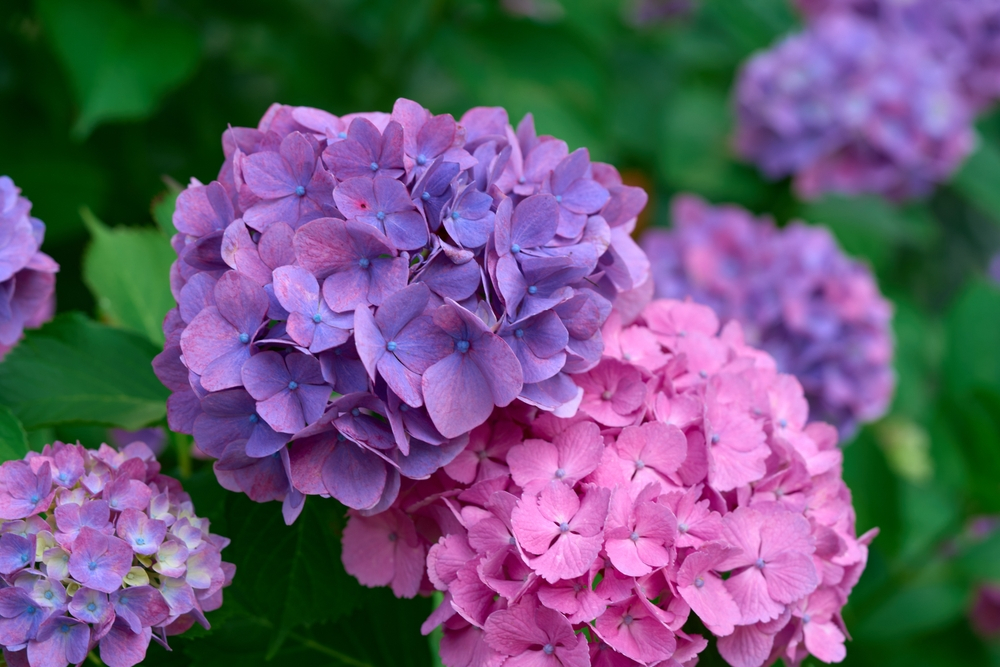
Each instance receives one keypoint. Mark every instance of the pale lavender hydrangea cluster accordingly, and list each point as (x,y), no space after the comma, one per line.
(690,485)
(962,34)
(27,275)
(98,549)
(371,287)
(816,311)
(845,106)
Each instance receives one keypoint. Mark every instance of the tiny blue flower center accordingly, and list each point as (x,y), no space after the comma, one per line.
(627,619)
(48,595)
(455,215)
(24,558)
(63,477)
(606,394)
(699,582)
(64,628)
(421,159)
(548,649)
(356,412)
(560,473)
(391,346)
(293,385)
(640,464)
(519,333)
(31,609)
(522,180)
(244,338)
(91,607)
(462,346)
(634,536)
(374,166)
(682,527)
(715,439)
(254,418)
(783,423)
(317,318)
(392,537)
(341,437)
(806,618)
(511,541)
(558,199)
(364,262)
(759,564)
(140,540)
(532,290)
(380,215)
(426,196)
(300,191)
(403,407)
(563,527)
(342,135)
(92,566)
(515,248)
(35,498)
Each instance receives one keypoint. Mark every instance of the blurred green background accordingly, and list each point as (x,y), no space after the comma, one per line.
(108,104)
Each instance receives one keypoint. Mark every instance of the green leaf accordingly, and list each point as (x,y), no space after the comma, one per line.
(128,271)
(912,610)
(76,370)
(291,575)
(973,328)
(120,62)
(163,209)
(977,180)
(13,439)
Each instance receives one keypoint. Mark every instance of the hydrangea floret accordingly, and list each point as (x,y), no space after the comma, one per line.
(846,107)
(99,550)
(690,484)
(816,311)
(369,288)
(27,275)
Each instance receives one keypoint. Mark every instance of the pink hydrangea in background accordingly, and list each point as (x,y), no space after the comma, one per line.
(689,484)
(27,275)
(816,311)
(99,550)
(371,287)
(847,107)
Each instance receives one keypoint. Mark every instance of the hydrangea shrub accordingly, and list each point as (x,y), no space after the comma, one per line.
(690,484)
(27,275)
(99,550)
(846,107)
(816,311)
(370,288)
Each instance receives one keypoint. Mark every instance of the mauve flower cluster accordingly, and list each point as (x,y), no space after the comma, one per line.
(97,548)
(846,107)
(689,481)
(962,34)
(797,295)
(27,275)
(371,287)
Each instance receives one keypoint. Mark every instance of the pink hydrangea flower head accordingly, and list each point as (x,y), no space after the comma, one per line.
(575,541)
(816,311)
(432,269)
(27,275)
(98,550)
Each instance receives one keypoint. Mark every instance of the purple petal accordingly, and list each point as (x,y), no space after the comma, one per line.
(354,476)
(265,375)
(457,395)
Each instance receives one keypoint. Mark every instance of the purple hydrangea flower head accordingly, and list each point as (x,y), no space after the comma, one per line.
(27,275)
(962,35)
(714,498)
(356,295)
(845,107)
(816,311)
(111,550)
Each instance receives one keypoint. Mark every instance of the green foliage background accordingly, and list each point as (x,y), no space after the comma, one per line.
(107,105)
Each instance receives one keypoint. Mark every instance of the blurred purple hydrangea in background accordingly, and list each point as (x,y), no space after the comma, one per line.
(27,275)
(98,549)
(369,288)
(847,107)
(797,295)
(964,35)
